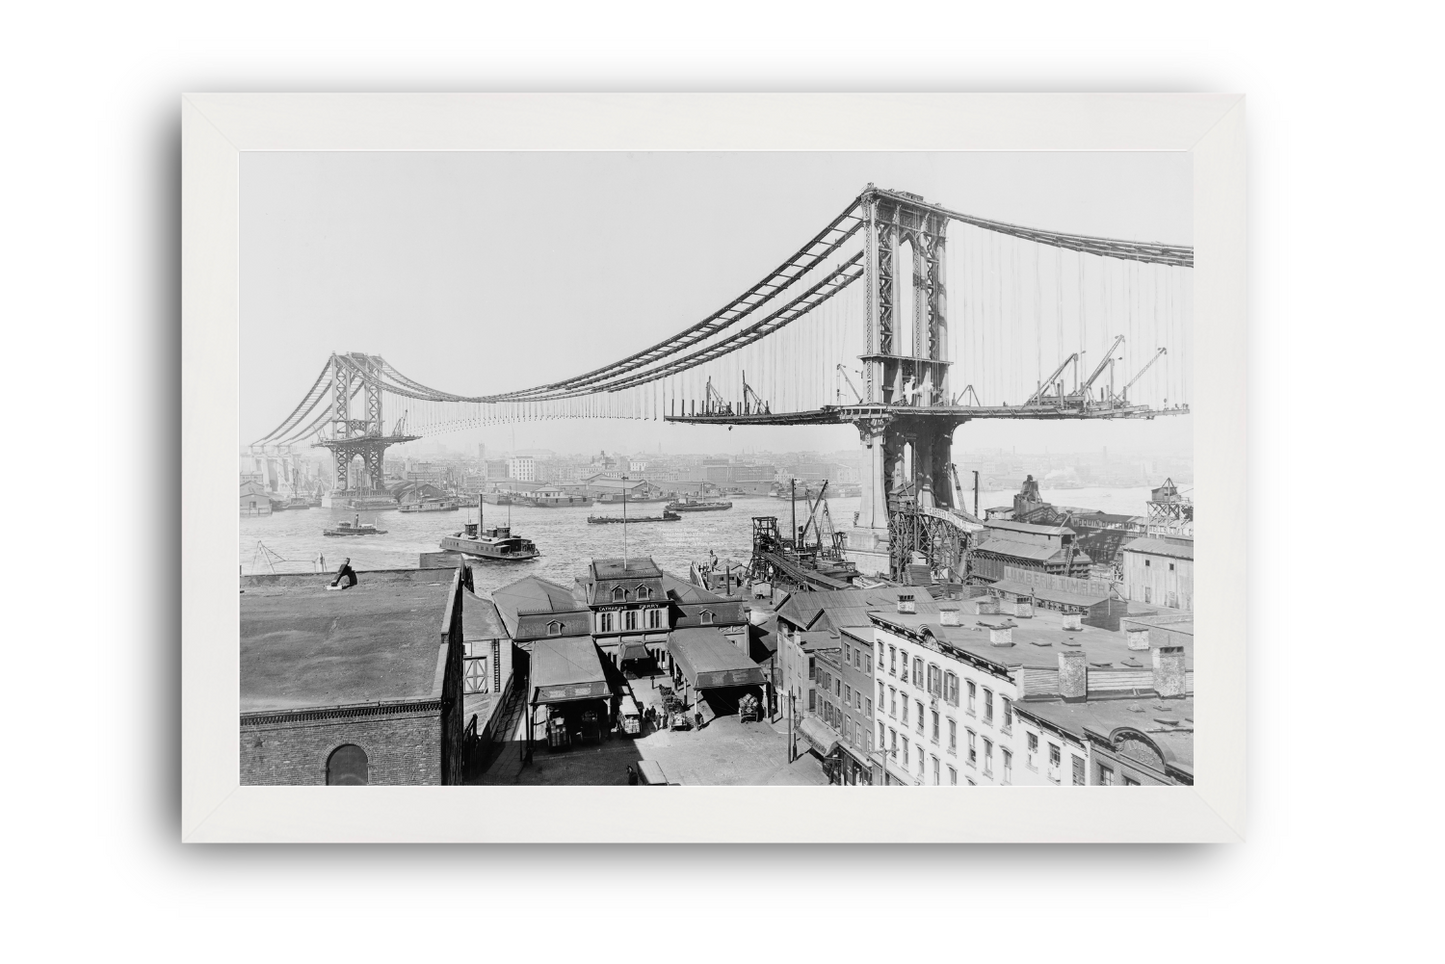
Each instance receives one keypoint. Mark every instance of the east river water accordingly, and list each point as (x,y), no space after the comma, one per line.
(563,535)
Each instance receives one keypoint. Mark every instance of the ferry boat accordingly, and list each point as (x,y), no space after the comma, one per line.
(497,543)
(431,505)
(691,506)
(667,516)
(357,528)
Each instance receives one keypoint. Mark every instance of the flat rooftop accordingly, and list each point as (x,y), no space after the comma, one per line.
(1037,641)
(305,647)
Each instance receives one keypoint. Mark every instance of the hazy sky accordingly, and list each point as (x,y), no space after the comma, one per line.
(477,273)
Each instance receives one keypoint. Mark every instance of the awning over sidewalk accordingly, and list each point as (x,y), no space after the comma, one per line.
(708,661)
(631,649)
(816,733)
(567,669)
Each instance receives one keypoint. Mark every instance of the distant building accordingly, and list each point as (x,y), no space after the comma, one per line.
(522,468)
(636,466)
(1159,571)
(494,470)
(255,500)
(355,687)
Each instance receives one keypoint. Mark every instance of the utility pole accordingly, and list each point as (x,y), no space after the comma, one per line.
(975,493)
(793,501)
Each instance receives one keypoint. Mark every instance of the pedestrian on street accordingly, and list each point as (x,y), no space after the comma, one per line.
(631,777)
(699,719)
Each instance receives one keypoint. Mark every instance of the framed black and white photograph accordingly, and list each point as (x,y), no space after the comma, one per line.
(832,458)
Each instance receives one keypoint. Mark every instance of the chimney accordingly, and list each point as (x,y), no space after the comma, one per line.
(1073,622)
(905,603)
(1024,609)
(1001,635)
(1073,676)
(948,617)
(1169,671)
(1138,639)
(986,606)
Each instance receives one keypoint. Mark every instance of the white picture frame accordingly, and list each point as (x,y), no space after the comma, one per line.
(217,128)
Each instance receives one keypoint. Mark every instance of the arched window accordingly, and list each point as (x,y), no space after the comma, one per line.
(643,593)
(618,595)
(347,767)
(707,617)
(554,628)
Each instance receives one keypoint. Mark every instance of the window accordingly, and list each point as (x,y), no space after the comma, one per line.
(870,739)
(630,619)
(848,693)
(988,705)
(919,707)
(905,751)
(1171,567)
(892,661)
(618,595)
(1079,780)
(654,618)
(1008,715)
(972,757)
(988,757)
(950,688)
(972,697)
(707,617)
(1008,766)
(847,650)
(935,726)
(1146,563)
(347,767)
(868,665)
(880,735)
(935,771)
(935,680)
(812,667)
(918,672)
(858,700)
(893,702)
(838,687)
(857,658)
(880,652)
(1130,781)
(952,735)
(952,777)
(1033,751)
(920,766)
(1053,763)
(869,707)
(554,628)
(604,622)
(643,592)
(880,694)
(1106,776)
(904,717)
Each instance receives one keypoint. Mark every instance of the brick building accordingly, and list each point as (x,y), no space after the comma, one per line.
(354,687)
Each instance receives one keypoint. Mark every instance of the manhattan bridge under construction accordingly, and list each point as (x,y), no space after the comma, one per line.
(900,317)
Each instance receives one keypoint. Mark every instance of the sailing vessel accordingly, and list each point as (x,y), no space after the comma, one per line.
(497,543)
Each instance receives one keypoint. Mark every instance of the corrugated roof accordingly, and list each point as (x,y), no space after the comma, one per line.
(1160,547)
(1020,550)
(566,661)
(1029,527)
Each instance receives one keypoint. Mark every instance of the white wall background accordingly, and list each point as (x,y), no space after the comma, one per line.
(1345,197)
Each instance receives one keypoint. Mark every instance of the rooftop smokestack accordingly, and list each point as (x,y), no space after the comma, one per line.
(1073,676)
(948,617)
(905,603)
(1169,671)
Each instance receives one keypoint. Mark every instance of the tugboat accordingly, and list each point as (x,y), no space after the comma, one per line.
(357,528)
(496,543)
(689,505)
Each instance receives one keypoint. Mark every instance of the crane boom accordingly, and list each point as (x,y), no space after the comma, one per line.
(1047,383)
(751,401)
(1108,355)
(1147,365)
(844,372)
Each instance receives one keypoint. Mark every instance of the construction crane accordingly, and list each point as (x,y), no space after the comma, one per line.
(968,392)
(1048,383)
(1083,390)
(1147,365)
(843,373)
(812,508)
(714,403)
(752,403)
